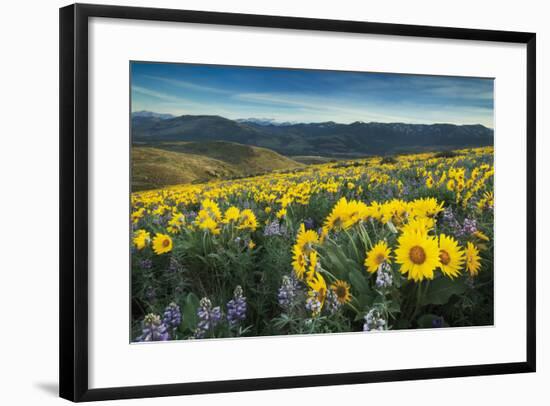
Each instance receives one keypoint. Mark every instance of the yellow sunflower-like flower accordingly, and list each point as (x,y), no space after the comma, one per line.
(247,220)
(231,215)
(313,265)
(481,235)
(338,217)
(472,259)
(451,185)
(298,262)
(318,287)
(162,244)
(375,211)
(451,256)
(208,224)
(428,207)
(251,245)
(429,182)
(141,239)
(342,291)
(422,225)
(137,215)
(396,211)
(418,255)
(281,213)
(356,211)
(212,208)
(175,223)
(376,256)
(305,239)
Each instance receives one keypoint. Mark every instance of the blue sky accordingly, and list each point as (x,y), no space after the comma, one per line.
(310,95)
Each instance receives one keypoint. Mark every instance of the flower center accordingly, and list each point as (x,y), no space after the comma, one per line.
(165,243)
(380,258)
(417,255)
(444,257)
(341,292)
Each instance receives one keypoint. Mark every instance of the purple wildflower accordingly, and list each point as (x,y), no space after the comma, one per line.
(309,224)
(172,316)
(287,292)
(236,307)
(146,263)
(273,228)
(384,278)
(331,302)
(469,227)
(209,317)
(313,305)
(374,321)
(153,329)
(437,322)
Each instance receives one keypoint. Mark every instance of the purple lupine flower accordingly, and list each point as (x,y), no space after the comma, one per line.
(172,316)
(236,307)
(153,329)
(313,305)
(384,278)
(273,228)
(449,217)
(287,292)
(146,263)
(209,317)
(191,216)
(469,227)
(309,224)
(437,322)
(374,321)
(331,302)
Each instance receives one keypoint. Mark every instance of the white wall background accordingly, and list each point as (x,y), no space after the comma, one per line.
(29,208)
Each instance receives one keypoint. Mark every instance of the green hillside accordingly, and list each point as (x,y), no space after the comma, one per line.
(312,159)
(170,163)
(327,139)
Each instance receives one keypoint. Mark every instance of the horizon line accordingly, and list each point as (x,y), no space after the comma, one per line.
(293,122)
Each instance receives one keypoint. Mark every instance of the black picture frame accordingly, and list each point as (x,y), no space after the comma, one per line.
(73,79)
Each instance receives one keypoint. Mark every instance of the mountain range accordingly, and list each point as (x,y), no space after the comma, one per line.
(311,139)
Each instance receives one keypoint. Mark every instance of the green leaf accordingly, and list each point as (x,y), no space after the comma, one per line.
(365,301)
(358,282)
(190,311)
(394,307)
(440,290)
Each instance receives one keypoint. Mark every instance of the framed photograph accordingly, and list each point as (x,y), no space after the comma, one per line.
(256,202)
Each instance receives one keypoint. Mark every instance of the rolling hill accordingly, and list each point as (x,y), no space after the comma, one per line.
(327,139)
(170,163)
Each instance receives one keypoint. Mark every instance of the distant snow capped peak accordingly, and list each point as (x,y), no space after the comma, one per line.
(264,121)
(145,113)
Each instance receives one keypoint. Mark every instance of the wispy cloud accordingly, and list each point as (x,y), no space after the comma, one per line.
(157,94)
(187,85)
(323,107)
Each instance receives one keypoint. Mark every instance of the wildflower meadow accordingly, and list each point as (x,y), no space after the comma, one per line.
(362,245)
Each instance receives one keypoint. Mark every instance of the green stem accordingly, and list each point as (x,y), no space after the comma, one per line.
(353,244)
(354,308)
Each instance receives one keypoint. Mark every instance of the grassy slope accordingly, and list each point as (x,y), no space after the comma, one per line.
(313,159)
(171,163)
